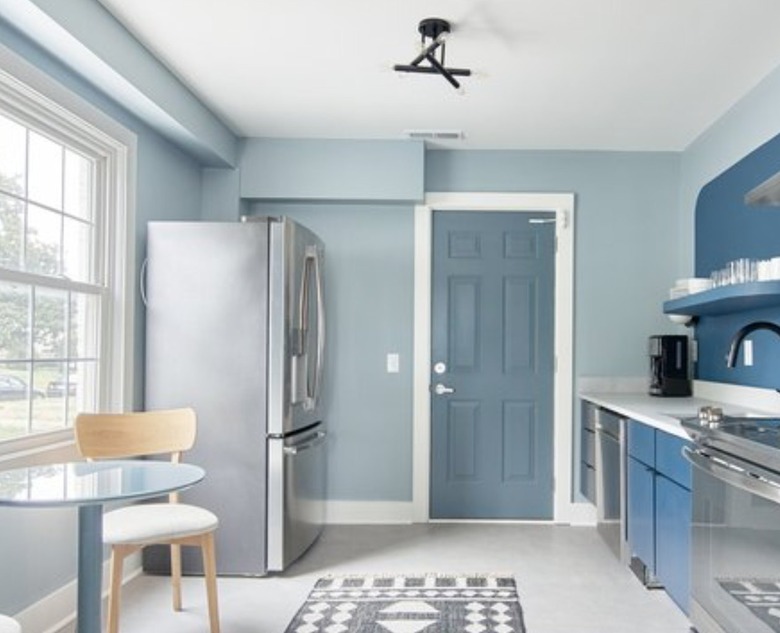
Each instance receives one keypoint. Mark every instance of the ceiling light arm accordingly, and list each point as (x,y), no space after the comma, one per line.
(428,50)
(442,70)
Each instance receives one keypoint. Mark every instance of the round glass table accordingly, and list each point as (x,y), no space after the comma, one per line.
(89,485)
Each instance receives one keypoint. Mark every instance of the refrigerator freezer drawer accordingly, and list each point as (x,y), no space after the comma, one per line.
(296,495)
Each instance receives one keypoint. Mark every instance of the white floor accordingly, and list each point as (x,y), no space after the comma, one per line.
(569,582)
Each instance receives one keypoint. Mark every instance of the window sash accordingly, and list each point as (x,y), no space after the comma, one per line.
(39,103)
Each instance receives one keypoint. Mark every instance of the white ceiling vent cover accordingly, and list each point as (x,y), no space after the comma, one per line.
(434,135)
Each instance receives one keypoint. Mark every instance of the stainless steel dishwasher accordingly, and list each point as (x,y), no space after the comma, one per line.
(610,481)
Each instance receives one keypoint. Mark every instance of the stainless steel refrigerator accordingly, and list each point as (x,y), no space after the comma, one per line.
(235,328)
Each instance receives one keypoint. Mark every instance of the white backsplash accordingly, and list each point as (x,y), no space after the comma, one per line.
(754,398)
(612,384)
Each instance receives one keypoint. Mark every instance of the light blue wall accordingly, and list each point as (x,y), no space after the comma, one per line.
(369,273)
(37,547)
(309,169)
(625,243)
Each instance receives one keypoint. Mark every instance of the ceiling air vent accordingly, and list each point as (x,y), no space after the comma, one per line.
(434,135)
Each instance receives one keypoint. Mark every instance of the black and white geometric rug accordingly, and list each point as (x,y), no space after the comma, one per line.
(427,603)
(762,597)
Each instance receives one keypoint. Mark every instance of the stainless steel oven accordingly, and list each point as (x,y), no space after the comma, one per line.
(735,538)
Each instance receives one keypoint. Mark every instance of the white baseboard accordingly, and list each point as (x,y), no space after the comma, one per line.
(581,514)
(401,512)
(56,613)
(368,512)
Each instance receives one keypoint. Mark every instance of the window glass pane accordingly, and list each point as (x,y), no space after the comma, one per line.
(11,231)
(14,399)
(84,326)
(48,414)
(82,389)
(78,185)
(45,171)
(13,141)
(49,323)
(77,251)
(44,231)
(15,301)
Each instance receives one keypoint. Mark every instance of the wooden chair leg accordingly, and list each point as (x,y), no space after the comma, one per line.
(118,554)
(210,575)
(176,576)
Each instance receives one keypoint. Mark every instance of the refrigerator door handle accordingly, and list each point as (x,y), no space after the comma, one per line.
(318,439)
(142,282)
(320,362)
(312,281)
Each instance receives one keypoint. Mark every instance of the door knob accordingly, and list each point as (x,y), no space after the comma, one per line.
(441,389)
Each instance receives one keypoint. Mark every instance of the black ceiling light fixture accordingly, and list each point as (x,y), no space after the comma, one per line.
(433,32)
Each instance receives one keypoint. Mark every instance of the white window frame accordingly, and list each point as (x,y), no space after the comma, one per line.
(36,96)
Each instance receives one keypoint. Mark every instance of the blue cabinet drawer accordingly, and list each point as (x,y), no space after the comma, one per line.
(641,442)
(589,447)
(669,460)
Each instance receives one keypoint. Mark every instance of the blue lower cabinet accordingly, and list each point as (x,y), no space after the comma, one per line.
(641,512)
(673,539)
(658,507)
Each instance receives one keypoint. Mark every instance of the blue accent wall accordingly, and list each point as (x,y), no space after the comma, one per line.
(727,229)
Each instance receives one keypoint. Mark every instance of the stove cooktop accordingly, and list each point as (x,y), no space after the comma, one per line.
(754,438)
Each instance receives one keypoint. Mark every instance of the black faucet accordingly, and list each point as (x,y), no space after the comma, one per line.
(736,342)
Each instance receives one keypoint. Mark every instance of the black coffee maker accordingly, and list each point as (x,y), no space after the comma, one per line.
(669,365)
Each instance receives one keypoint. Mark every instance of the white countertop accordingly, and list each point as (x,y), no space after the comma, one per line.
(663,413)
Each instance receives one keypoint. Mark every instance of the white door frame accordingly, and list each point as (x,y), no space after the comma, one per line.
(562,204)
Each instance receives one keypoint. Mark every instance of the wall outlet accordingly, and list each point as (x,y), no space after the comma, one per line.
(393,363)
(747,352)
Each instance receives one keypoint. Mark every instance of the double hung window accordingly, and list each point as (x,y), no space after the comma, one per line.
(62,222)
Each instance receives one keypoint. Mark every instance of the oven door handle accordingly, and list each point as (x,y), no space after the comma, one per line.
(734,475)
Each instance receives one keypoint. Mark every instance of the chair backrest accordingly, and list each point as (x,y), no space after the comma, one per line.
(119,435)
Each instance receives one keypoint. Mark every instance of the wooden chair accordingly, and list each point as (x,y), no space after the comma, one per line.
(130,528)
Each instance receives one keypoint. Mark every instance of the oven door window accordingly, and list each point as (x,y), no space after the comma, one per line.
(735,556)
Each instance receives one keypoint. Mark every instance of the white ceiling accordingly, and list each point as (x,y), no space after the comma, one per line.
(547,74)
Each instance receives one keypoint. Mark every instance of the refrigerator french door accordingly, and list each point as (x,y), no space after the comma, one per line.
(235,328)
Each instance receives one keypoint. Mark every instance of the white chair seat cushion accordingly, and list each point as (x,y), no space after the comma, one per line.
(9,625)
(155,522)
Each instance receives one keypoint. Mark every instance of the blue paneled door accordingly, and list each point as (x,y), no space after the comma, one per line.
(492,345)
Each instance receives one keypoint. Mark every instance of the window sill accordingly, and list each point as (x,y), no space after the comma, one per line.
(38,449)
